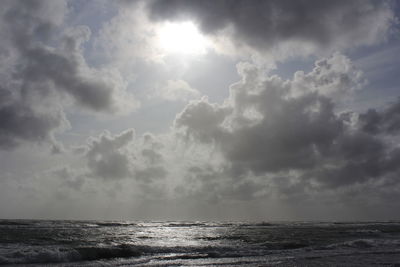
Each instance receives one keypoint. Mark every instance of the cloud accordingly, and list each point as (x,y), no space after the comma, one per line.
(19,121)
(116,157)
(284,27)
(270,139)
(177,90)
(128,38)
(274,128)
(334,77)
(45,70)
(386,121)
(69,178)
(201,119)
(107,156)
(150,173)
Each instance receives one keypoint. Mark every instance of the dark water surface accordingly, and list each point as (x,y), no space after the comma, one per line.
(130,243)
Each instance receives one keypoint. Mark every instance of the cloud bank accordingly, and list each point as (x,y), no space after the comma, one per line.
(283,27)
(270,139)
(271,127)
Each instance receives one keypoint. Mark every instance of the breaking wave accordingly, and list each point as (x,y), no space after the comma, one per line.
(41,254)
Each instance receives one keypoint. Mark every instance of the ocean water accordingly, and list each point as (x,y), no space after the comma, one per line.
(140,243)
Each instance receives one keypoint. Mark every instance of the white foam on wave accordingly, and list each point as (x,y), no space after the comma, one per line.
(366,244)
(36,254)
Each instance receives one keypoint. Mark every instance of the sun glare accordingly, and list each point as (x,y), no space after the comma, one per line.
(182,38)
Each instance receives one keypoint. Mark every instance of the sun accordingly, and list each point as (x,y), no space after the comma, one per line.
(182,38)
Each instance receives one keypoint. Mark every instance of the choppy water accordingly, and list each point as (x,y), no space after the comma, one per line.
(128,243)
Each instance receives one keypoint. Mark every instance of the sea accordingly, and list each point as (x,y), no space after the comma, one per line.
(198,243)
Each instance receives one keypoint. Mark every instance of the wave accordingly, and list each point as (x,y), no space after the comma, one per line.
(284,245)
(258,224)
(363,244)
(36,254)
(96,253)
(199,224)
(359,243)
(185,224)
(14,223)
(115,224)
(49,254)
(365,231)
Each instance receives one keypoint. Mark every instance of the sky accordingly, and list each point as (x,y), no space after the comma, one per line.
(200,110)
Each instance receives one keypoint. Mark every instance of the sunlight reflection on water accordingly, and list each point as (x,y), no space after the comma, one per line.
(175,235)
(197,243)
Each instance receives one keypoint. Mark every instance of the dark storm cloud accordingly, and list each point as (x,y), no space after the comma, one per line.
(265,24)
(22,23)
(354,158)
(386,121)
(66,73)
(290,128)
(364,153)
(19,121)
(64,68)
(42,66)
